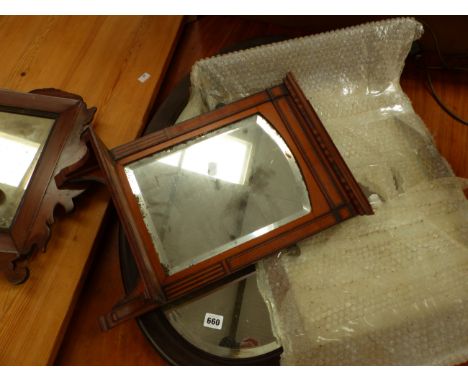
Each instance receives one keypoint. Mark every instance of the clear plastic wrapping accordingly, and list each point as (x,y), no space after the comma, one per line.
(391,288)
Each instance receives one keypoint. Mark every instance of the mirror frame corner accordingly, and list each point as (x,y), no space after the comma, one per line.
(29,231)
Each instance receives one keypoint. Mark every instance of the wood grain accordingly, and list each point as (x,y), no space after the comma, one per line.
(451,136)
(84,342)
(99,58)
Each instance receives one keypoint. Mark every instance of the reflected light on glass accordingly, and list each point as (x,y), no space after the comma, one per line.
(274,135)
(133,182)
(16,155)
(222,157)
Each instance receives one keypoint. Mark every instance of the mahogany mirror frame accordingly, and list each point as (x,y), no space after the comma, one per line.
(29,230)
(332,189)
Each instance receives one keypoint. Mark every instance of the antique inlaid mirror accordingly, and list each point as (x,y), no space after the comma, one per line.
(39,135)
(206,198)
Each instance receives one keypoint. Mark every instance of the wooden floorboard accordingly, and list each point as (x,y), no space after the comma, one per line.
(99,58)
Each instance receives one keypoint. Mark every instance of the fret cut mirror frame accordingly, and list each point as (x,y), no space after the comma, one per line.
(332,190)
(29,229)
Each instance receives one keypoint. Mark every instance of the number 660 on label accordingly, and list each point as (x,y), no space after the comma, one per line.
(213,321)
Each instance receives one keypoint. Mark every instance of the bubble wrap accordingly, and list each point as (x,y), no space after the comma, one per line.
(391,288)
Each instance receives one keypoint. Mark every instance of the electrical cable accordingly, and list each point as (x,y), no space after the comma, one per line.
(445,66)
(440,102)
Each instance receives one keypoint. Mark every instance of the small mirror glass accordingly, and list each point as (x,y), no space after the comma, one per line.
(22,139)
(241,328)
(208,195)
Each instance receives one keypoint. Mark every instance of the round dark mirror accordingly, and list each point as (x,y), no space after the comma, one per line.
(226,326)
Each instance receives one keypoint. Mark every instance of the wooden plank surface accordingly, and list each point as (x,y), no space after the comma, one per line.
(99,58)
(450,136)
(84,343)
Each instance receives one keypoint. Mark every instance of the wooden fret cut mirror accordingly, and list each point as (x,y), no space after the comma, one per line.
(201,200)
(39,135)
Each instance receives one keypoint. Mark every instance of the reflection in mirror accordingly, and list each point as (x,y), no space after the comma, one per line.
(203,197)
(22,138)
(245,330)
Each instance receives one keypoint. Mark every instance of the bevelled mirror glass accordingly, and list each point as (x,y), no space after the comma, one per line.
(22,139)
(208,195)
(246,327)
(202,200)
